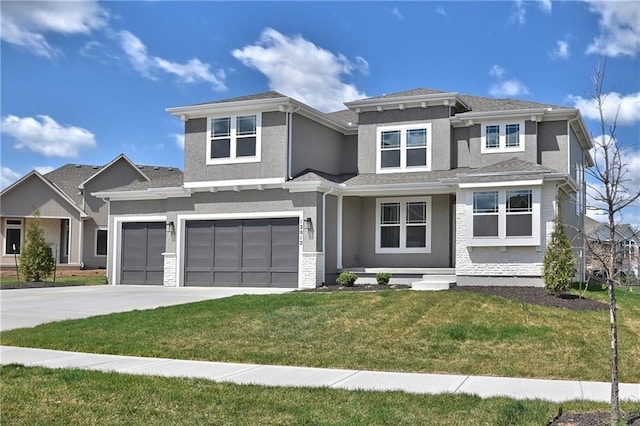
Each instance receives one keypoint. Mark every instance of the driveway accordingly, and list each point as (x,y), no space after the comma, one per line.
(30,307)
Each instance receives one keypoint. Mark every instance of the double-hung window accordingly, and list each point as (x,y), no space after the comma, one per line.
(404,148)
(234,139)
(12,236)
(502,137)
(403,225)
(503,217)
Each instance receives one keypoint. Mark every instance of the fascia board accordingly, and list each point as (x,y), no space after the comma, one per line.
(480,116)
(407,100)
(533,182)
(144,194)
(204,110)
(233,183)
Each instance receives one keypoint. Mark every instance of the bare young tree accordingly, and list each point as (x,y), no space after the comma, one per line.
(611,192)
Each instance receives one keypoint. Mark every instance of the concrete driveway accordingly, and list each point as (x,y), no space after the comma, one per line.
(30,307)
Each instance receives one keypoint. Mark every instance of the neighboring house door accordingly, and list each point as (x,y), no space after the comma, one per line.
(250,253)
(64,241)
(142,248)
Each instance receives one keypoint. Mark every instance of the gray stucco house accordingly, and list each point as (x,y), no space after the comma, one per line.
(75,222)
(435,187)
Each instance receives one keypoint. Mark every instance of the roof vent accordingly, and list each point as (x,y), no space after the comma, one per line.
(78,166)
(156,168)
(140,167)
(95,167)
(170,169)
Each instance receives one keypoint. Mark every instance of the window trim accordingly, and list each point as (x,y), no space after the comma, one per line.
(502,138)
(7,226)
(233,137)
(403,249)
(502,239)
(403,128)
(95,242)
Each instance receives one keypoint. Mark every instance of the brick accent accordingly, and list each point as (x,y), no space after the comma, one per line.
(169,279)
(503,261)
(311,269)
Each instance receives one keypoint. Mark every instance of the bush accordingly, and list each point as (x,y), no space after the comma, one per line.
(347,279)
(36,259)
(557,271)
(383,278)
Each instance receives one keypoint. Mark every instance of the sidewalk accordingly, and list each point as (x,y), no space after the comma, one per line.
(552,390)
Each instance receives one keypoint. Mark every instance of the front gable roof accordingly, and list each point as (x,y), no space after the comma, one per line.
(119,158)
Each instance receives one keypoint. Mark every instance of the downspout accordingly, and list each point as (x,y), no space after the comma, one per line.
(324,233)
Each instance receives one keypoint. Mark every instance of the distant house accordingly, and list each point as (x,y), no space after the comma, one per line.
(627,248)
(429,185)
(75,222)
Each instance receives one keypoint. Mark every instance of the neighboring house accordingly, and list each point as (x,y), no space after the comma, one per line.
(420,182)
(627,248)
(75,222)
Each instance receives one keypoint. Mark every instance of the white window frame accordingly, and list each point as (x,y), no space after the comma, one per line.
(403,249)
(502,146)
(233,159)
(8,225)
(502,239)
(95,242)
(403,148)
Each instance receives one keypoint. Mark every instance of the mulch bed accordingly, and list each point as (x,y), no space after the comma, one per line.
(591,419)
(37,284)
(329,288)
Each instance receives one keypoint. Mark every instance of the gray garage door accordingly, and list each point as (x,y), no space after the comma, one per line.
(142,248)
(251,253)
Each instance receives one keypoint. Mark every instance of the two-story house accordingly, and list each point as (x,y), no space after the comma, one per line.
(75,222)
(414,183)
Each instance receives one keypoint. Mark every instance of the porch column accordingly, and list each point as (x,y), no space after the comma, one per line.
(339,232)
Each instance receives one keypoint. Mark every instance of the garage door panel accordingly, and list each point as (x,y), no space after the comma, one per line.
(248,252)
(142,247)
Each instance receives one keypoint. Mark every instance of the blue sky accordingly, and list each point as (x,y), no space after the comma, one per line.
(85,81)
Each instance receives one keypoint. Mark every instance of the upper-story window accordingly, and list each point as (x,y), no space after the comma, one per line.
(234,139)
(404,148)
(502,137)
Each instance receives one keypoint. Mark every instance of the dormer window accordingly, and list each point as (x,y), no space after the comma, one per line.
(502,137)
(234,139)
(404,148)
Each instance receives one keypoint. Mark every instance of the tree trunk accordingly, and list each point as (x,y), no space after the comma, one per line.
(615,399)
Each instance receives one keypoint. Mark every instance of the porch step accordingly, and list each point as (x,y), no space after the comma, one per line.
(407,276)
(434,282)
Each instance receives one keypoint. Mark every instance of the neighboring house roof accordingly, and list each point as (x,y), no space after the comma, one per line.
(115,160)
(599,231)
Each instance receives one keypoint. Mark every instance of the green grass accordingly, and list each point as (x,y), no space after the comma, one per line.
(87,280)
(441,332)
(30,395)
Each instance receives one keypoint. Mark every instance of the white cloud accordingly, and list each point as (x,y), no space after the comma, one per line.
(7,177)
(193,71)
(504,87)
(519,14)
(179,138)
(546,5)
(25,23)
(561,51)
(619,28)
(396,12)
(43,170)
(298,68)
(441,11)
(45,136)
(627,107)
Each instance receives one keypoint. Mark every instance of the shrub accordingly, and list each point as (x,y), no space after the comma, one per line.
(36,259)
(347,279)
(383,278)
(558,264)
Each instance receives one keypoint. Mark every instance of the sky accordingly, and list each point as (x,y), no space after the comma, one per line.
(82,82)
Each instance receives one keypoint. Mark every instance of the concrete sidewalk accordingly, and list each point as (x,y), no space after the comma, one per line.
(272,375)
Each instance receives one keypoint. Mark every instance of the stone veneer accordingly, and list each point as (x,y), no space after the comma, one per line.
(312,269)
(170,267)
(503,265)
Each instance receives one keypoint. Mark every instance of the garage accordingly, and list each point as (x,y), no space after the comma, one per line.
(248,252)
(142,248)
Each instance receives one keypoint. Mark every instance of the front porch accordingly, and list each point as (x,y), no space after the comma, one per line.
(418,278)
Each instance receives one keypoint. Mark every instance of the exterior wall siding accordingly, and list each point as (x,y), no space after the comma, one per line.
(440,138)
(315,146)
(477,159)
(273,162)
(461,145)
(508,262)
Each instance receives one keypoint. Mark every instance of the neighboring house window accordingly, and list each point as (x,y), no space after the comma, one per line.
(234,139)
(403,225)
(12,236)
(101,242)
(404,148)
(503,217)
(580,193)
(502,137)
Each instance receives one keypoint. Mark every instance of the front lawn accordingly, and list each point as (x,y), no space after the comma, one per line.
(31,395)
(442,332)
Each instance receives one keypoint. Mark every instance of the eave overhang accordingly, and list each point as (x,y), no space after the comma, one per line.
(144,194)
(403,102)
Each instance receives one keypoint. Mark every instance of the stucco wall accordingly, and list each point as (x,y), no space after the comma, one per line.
(552,145)
(273,161)
(440,137)
(315,147)
(478,159)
